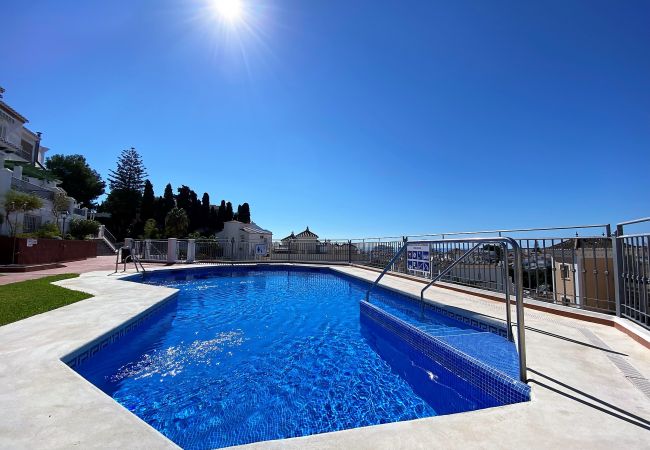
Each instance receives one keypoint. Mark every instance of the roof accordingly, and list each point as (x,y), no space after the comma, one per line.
(254,228)
(13,112)
(290,237)
(306,235)
(579,243)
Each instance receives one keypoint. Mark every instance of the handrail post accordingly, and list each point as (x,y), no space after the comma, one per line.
(388,266)
(506,284)
(521,339)
(349,251)
(618,247)
(447,270)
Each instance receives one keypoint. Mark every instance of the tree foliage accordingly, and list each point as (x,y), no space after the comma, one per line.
(150,229)
(78,179)
(176,223)
(130,172)
(171,215)
(148,199)
(126,183)
(82,228)
(19,202)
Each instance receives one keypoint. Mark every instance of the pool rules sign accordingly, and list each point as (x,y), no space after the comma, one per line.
(417,259)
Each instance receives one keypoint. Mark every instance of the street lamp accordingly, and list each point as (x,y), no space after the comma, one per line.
(65,216)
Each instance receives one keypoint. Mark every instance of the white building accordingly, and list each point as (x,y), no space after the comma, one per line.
(246,238)
(21,169)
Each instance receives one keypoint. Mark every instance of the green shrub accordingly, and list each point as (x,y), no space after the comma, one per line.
(81,228)
(48,230)
(151,229)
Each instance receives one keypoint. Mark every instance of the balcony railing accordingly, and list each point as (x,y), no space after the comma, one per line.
(30,188)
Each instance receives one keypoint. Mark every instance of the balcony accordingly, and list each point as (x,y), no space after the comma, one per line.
(30,188)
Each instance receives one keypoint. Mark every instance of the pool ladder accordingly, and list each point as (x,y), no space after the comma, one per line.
(125,255)
(504,243)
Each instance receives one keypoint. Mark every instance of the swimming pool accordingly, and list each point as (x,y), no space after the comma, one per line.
(246,354)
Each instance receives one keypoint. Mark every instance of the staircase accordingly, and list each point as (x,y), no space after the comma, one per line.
(106,242)
(103,249)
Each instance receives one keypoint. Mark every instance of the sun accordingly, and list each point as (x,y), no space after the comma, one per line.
(229,10)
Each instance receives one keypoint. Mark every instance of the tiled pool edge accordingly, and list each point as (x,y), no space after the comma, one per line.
(471,318)
(79,355)
(500,386)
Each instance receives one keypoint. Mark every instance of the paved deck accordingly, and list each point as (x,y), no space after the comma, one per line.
(587,383)
(83,266)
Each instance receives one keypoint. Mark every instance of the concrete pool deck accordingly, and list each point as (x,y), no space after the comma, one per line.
(589,382)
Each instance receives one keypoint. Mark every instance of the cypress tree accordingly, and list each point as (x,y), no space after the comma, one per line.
(221,215)
(245,213)
(168,199)
(229,213)
(148,199)
(183,200)
(213,220)
(205,211)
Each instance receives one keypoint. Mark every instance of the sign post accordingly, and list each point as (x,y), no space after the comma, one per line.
(418,259)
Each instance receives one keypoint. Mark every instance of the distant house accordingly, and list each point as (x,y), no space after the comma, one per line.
(583,273)
(21,168)
(304,242)
(246,238)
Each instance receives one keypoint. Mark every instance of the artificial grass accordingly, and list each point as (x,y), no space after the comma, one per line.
(28,298)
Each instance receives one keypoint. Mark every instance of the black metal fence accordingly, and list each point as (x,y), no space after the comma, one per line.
(633,278)
(582,267)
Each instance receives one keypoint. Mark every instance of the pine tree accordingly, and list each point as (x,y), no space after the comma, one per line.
(130,172)
(126,184)
(147,205)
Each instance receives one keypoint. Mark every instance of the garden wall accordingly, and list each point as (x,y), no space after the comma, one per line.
(45,251)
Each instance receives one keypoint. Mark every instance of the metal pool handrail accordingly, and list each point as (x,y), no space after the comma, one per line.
(390,263)
(504,242)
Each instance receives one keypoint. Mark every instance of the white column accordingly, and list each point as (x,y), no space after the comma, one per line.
(191,250)
(172,245)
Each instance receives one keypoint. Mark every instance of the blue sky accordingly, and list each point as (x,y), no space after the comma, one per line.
(357,118)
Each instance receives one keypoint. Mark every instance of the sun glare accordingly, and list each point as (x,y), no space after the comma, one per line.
(229,10)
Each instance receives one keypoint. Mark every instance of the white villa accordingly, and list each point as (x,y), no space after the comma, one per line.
(246,237)
(21,151)
(304,242)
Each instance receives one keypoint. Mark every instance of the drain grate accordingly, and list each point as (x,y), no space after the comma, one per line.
(628,370)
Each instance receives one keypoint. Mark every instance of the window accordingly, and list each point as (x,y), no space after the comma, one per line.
(564,271)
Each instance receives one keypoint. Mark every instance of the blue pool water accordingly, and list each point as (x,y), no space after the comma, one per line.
(251,354)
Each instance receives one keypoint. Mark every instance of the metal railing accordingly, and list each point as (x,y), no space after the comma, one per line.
(633,272)
(572,266)
(31,188)
(31,223)
(469,246)
(150,250)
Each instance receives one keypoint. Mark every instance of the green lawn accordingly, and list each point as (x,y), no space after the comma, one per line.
(27,298)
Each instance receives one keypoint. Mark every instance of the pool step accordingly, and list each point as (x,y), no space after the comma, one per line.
(489,348)
(470,356)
